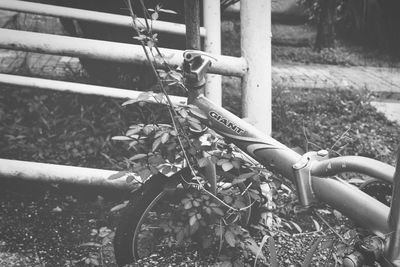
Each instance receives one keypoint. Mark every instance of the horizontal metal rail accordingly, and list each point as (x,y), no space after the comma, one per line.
(92,16)
(104,50)
(80,88)
(52,173)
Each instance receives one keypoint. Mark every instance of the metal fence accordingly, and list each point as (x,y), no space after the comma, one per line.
(254,66)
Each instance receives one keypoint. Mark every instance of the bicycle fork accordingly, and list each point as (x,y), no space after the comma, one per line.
(373,248)
(393,252)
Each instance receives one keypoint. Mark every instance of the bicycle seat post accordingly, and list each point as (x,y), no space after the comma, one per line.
(393,252)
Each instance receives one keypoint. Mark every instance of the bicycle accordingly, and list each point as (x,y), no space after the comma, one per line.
(313,174)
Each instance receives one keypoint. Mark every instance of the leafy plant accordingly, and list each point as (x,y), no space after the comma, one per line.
(160,147)
(102,237)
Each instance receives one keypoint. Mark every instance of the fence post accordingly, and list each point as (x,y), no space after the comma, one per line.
(192,22)
(212,44)
(255,21)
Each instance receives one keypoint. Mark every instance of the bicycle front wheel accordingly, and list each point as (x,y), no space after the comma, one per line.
(163,220)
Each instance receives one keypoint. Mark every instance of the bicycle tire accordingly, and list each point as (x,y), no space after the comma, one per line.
(126,245)
(380,190)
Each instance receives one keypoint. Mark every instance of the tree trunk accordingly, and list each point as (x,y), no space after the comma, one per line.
(326,24)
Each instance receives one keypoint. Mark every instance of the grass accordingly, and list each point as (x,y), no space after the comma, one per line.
(75,130)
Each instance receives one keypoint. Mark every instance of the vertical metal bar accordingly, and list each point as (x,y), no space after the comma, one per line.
(393,253)
(212,44)
(255,21)
(192,21)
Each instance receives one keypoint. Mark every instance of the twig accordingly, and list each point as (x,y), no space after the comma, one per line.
(305,135)
(331,228)
(348,129)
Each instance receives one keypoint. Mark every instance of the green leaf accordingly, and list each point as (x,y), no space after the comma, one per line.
(133,144)
(183,113)
(121,138)
(218,211)
(316,225)
(202,162)
(166,169)
(133,131)
(188,205)
(194,227)
(119,206)
(195,125)
(130,101)
(90,244)
(137,157)
(175,75)
(165,138)
(222,161)
(255,249)
(154,16)
(298,228)
(230,238)
(169,11)
(227,166)
(94,261)
(145,95)
(337,214)
(144,174)
(228,199)
(148,129)
(237,163)
(193,220)
(130,179)
(117,175)
(156,144)
(195,111)
(246,176)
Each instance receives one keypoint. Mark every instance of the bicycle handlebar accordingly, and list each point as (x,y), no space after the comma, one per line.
(358,164)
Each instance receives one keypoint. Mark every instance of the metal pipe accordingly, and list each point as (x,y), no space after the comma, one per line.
(212,44)
(92,16)
(393,253)
(355,204)
(71,87)
(192,22)
(33,171)
(255,26)
(358,164)
(112,51)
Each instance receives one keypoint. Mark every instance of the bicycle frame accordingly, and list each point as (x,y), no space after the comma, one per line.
(310,173)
